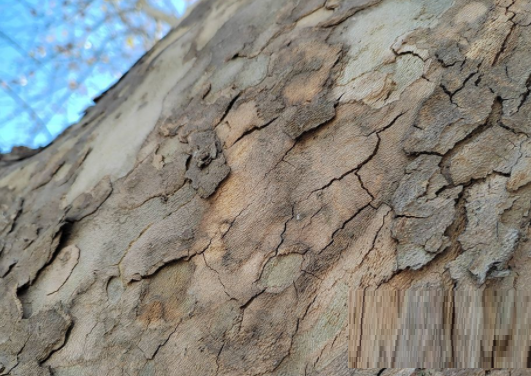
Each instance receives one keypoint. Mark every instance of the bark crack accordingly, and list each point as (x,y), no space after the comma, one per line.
(505,41)
(218,276)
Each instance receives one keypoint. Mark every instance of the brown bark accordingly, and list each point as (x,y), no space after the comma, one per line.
(209,215)
(436,327)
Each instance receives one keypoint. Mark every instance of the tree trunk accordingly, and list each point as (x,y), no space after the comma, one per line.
(210,214)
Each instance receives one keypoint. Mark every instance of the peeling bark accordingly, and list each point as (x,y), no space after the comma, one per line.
(210,214)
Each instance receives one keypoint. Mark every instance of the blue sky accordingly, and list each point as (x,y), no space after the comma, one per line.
(56,55)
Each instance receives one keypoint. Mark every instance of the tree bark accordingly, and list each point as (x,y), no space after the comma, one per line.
(210,214)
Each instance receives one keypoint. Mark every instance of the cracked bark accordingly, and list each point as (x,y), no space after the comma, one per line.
(211,212)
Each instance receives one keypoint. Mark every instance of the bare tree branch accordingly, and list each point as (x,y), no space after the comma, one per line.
(40,124)
(17,46)
(83,78)
(157,14)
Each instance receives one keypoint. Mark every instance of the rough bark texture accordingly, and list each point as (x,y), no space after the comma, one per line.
(209,215)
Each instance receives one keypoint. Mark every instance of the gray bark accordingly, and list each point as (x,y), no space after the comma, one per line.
(210,214)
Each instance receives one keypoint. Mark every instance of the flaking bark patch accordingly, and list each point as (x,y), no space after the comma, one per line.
(231,188)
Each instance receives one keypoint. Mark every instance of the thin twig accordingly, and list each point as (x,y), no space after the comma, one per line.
(40,124)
